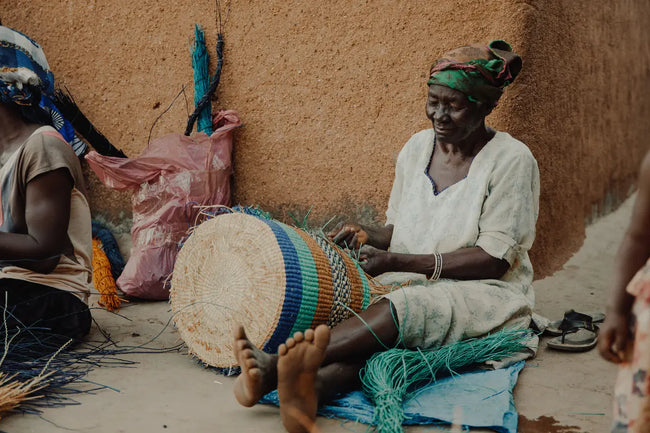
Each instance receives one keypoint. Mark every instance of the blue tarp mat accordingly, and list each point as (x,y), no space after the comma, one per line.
(480,398)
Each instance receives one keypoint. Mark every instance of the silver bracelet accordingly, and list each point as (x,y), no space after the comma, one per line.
(438,267)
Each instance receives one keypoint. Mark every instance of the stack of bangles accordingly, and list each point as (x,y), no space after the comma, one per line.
(437,270)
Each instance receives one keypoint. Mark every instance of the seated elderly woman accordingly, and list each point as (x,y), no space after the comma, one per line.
(460,221)
(45,231)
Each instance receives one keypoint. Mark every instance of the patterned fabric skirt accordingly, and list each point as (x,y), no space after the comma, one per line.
(632,390)
(432,314)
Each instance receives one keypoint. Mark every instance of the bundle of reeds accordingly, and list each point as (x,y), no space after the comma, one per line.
(103,278)
(36,370)
(14,393)
(203,92)
(71,111)
(39,369)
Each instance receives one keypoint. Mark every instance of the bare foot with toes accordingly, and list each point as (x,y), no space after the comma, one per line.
(258,370)
(298,364)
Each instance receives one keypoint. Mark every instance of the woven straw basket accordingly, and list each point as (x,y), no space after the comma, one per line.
(272,278)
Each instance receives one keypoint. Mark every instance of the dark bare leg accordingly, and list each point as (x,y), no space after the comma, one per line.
(351,339)
(313,367)
(337,378)
(259,374)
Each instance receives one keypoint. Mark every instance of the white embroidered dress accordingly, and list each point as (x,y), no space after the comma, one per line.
(495,207)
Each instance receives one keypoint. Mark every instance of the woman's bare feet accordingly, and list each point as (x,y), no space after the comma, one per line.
(298,364)
(258,370)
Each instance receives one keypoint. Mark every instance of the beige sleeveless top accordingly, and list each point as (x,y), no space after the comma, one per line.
(46,150)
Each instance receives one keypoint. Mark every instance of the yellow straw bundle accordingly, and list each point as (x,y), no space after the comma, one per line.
(103,279)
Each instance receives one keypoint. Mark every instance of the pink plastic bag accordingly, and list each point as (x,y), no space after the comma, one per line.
(173,174)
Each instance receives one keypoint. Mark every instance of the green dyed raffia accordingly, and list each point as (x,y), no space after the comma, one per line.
(364,282)
(389,376)
(200,62)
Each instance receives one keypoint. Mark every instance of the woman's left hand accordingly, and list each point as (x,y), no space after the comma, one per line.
(373,260)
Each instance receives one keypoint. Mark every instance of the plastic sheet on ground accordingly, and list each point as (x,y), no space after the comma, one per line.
(480,398)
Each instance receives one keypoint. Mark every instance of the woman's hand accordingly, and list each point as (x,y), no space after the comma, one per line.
(614,336)
(374,261)
(349,235)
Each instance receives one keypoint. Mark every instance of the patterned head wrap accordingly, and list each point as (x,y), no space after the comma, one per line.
(27,82)
(480,72)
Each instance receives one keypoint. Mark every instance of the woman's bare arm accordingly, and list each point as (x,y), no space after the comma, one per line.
(632,255)
(47,214)
(471,263)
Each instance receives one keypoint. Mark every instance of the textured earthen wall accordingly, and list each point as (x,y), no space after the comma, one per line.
(583,108)
(330,91)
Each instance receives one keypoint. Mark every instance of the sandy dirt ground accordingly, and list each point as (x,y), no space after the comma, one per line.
(557,392)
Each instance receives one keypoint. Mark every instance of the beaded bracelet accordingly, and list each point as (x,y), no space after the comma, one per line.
(438,267)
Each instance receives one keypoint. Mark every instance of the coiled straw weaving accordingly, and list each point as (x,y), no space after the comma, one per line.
(272,278)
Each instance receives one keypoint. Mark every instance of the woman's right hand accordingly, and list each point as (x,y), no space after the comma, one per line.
(374,261)
(614,336)
(348,235)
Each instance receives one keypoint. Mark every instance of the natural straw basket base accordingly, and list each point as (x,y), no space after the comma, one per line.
(269,277)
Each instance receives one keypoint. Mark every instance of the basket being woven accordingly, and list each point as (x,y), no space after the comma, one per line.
(272,278)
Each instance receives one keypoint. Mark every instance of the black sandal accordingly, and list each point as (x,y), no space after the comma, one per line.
(553,328)
(578,333)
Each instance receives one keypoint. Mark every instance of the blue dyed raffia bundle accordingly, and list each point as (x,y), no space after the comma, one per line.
(110,247)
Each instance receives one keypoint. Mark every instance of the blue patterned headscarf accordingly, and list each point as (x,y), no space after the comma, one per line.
(27,82)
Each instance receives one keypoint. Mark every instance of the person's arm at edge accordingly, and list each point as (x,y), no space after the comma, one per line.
(632,255)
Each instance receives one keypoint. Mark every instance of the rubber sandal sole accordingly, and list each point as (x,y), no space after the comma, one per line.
(580,341)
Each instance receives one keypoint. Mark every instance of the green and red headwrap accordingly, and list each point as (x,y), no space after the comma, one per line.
(480,72)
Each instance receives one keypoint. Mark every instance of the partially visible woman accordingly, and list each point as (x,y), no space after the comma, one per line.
(45,230)
(625,336)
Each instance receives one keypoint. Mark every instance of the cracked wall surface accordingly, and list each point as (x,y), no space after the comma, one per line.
(330,91)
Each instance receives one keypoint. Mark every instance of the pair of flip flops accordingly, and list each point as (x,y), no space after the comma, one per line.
(576,332)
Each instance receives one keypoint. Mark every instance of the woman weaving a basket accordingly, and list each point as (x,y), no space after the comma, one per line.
(460,221)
